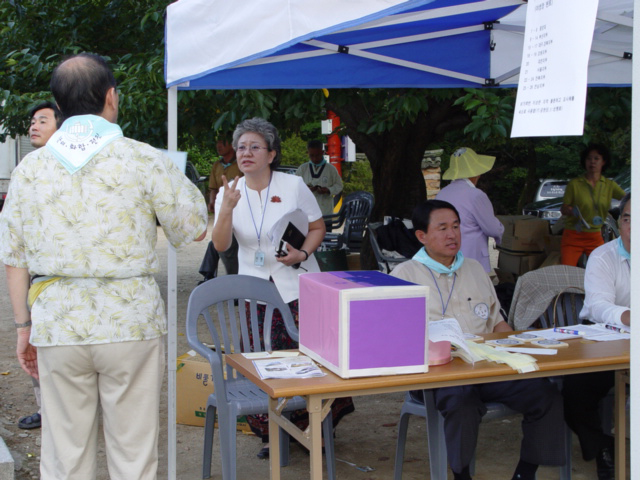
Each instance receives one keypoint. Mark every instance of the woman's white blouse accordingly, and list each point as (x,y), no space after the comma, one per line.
(286,193)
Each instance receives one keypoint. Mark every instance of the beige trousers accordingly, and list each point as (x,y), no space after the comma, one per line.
(124,379)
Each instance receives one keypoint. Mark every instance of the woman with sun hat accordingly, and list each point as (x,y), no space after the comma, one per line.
(477,220)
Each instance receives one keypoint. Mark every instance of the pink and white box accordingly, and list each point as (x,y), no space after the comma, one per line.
(364,323)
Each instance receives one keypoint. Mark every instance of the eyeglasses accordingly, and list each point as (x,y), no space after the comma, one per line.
(254,148)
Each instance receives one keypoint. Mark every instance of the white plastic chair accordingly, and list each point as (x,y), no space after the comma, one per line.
(228,331)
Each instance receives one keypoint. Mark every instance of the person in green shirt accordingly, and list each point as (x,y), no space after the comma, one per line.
(586,202)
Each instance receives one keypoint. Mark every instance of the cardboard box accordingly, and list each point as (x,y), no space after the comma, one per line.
(523,233)
(193,387)
(353,261)
(519,263)
(364,323)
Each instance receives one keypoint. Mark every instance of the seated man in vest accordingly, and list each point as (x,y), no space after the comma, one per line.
(459,288)
(607,285)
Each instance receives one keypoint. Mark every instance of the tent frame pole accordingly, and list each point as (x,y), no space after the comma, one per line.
(172,305)
(635,250)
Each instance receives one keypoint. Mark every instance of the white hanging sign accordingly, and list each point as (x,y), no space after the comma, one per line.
(553,74)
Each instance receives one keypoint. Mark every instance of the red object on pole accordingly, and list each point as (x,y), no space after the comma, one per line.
(334,144)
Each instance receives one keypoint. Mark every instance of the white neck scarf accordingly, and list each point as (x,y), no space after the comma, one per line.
(423,257)
(80,138)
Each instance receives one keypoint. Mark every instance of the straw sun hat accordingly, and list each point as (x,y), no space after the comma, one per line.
(465,163)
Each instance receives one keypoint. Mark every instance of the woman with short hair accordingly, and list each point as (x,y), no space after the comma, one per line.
(586,201)
(248,207)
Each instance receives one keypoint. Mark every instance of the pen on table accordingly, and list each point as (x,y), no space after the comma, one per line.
(615,329)
(569,331)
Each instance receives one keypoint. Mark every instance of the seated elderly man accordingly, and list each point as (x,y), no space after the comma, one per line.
(459,288)
(607,287)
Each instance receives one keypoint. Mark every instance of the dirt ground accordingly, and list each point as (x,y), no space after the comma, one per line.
(365,438)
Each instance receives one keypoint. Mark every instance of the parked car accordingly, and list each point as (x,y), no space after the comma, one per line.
(549,209)
(548,200)
(550,188)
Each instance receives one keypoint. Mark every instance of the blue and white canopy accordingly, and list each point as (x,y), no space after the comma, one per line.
(254,44)
(221,44)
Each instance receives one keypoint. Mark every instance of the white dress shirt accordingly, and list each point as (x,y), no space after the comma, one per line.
(607,285)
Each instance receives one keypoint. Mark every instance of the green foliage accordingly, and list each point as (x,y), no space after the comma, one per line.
(491,113)
(38,34)
(201,155)
(356,176)
(294,151)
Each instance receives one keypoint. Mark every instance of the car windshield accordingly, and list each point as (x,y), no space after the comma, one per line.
(553,189)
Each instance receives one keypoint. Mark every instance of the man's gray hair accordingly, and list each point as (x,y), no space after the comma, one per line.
(624,201)
(263,128)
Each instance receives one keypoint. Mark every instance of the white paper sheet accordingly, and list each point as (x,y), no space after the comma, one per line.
(448,330)
(553,75)
(288,367)
(296,217)
(595,332)
(529,351)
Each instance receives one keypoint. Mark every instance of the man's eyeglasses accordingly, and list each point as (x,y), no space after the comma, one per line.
(253,148)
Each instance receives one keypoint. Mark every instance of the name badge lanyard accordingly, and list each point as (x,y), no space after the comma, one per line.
(258,259)
(597,219)
(444,306)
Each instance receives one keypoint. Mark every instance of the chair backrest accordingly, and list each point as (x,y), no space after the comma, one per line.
(227,326)
(385,263)
(357,209)
(563,310)
(537,289)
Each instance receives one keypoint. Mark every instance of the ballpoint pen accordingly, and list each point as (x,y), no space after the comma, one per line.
(568,330)
(616,329)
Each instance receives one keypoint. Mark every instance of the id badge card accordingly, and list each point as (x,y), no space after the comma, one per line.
(258,259)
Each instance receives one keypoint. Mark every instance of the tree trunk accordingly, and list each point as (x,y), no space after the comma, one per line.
(396,157)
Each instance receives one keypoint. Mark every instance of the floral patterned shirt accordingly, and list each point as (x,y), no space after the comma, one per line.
(97,230)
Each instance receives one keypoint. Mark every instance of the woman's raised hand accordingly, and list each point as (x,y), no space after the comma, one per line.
(231,195)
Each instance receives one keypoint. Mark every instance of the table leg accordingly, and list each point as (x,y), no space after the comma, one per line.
(620,425)
(314,407)
(274,440)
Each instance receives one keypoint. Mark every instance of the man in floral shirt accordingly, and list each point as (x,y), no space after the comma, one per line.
(80,219)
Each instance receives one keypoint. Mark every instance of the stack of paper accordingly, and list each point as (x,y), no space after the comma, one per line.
(288,367)
(518,361)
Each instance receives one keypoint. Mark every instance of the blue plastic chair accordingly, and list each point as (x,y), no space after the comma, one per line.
(211,313)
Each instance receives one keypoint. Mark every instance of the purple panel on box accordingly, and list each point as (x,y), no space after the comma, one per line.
(387,333)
